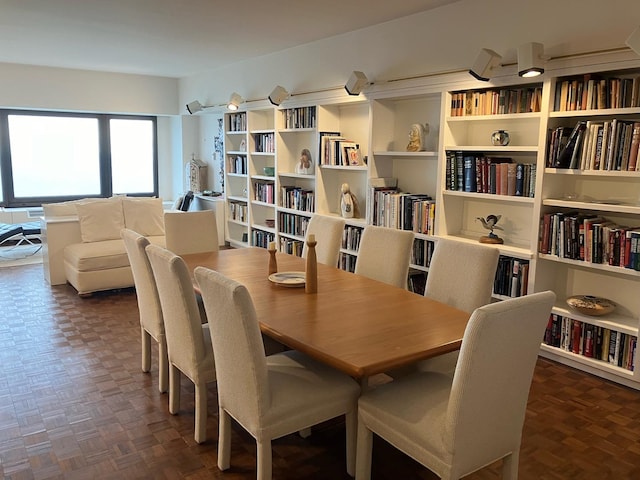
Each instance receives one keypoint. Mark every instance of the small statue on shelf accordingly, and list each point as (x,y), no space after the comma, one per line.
(348,203)
(305,165)
(490,224)
(417,136)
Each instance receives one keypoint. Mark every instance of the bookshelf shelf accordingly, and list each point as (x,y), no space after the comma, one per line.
(426,155)
(489,196)
(492,118)
(600,206)
(595,113)
(493,149)
(580,361)
(590,265)
(593,173)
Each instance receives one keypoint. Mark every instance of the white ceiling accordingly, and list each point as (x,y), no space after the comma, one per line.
(177,38)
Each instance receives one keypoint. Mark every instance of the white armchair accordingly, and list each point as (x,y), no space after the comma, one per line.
(455,426)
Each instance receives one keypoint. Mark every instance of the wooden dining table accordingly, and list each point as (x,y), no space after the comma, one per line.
(360,326)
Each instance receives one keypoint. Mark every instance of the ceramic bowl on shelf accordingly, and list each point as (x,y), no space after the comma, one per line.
(590,305)
(269,171)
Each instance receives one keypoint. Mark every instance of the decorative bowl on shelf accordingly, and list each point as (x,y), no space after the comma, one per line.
(269,171)
(270,222)
(590,305)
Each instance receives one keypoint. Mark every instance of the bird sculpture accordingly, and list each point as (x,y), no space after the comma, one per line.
(490,223)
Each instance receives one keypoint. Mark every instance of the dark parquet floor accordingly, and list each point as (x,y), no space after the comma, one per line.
(74,404)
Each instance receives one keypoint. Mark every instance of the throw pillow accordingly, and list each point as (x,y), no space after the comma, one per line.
(100,219)
(144,215)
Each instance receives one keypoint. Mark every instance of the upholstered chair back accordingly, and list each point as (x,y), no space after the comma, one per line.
(328,232)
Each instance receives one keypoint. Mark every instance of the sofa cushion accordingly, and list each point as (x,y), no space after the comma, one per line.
(144,215)
(60,209)
(105,255)
(100,219)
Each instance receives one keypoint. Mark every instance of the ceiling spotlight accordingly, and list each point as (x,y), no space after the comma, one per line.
(531,59)
(278,95)
(234,101)
(356,83)
(633,42)
(486,61)
(195,107)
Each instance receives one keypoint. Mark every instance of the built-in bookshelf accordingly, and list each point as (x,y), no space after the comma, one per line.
(550,191)
(590,210)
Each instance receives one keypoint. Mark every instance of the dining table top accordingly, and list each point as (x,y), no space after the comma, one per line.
(355,324)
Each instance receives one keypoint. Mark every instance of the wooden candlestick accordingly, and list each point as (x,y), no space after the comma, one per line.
(311,272)
(273,264)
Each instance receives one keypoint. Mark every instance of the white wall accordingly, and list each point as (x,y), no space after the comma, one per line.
(444,39)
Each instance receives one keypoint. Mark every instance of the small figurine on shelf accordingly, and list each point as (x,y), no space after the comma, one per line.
(305,165)
(417,136)
(348,203)
(490,224)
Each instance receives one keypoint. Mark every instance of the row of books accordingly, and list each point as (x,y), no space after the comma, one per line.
(496,102)
(237,122)
(417,281)
(592,341)
(292,224)
(290,246)
(512,277)
(595,145)
(351,237)
(336,150)
(347,262)
(422,252)
(297,198)
(590,92)
(238,211)
(301,117)
(591,238)
(477,173)
(404,211)
(265,142)
(264,192)
(237,164)
(260,238)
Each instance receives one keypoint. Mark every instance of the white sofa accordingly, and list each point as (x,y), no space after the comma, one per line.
(82,243)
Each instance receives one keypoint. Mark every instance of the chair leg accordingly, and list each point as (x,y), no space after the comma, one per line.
(200,434)
(264,460)
(163,367)
(224,439)
(510,466)
(363,452)
(174,389)
(145,341)
(351,425)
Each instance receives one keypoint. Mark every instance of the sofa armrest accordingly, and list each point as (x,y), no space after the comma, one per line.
(57,233)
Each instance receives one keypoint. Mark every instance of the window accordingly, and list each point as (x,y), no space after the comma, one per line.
(49,157)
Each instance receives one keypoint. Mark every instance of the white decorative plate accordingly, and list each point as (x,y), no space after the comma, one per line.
(288,279)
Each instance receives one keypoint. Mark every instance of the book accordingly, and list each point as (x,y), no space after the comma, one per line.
(567,157)
(633,147)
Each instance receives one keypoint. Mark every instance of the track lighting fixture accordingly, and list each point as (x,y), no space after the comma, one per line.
(531,59)
(356,83)
(234,101)
(486,61)
(633,42)
(196,106)
(278,95)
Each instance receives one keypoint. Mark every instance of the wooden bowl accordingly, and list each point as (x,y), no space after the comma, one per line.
(590,305)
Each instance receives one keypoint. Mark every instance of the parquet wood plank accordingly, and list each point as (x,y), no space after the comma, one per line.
(74,404)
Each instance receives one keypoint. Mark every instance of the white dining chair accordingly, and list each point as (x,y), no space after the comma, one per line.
(328,232)
(384,254)
(189,345)
(151,321)
(457,425)
(191,232)
(461,275)
(269,396)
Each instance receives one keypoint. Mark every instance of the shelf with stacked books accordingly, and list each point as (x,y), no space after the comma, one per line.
(589,226)
(236,179)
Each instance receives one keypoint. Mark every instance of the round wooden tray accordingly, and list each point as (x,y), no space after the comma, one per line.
(590,305)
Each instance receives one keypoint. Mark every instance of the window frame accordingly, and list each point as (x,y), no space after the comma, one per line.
(104,144)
